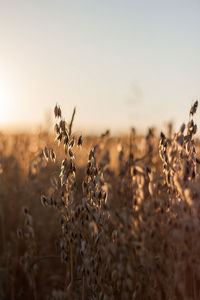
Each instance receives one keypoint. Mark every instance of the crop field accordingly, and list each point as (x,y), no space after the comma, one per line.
(100,217)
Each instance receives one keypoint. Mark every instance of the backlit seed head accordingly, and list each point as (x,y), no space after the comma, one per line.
(46,153)
(194,108)
(71,153)
(52,155)
(57,128)
(59,138)
(66,140)
(62,125)
(91,154)
(71,143)
(44,200)
(80,141)
(182,129)
(57,111)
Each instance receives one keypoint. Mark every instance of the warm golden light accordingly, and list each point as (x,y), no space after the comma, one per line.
(5,104)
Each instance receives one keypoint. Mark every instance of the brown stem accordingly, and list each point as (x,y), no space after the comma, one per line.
(71,262)
(194,285)
(2,233)
(71,123)
(83,288)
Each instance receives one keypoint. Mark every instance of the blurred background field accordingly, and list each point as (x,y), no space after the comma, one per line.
(105,217)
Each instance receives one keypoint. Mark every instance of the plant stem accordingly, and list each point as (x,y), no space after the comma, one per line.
(71,262)
(83,288)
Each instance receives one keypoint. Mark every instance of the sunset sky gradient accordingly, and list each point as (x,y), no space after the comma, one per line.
(122,63)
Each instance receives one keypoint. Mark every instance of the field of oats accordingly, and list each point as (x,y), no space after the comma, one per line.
(100,217)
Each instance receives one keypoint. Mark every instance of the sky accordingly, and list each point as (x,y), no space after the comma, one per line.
(121,63)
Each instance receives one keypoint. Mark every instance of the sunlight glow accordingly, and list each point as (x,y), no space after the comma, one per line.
(5,104)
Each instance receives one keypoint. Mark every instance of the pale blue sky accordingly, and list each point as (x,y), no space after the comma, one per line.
(122,63)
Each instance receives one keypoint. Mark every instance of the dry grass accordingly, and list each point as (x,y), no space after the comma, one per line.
(114,218)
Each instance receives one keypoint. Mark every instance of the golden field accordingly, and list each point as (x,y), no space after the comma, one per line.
(100,217)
